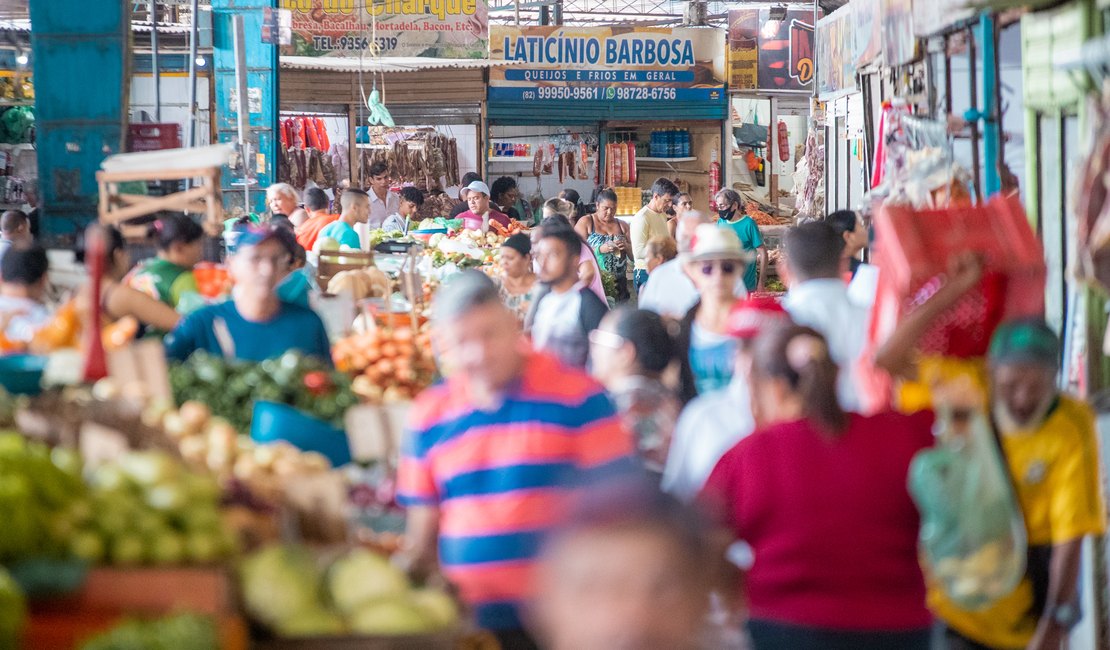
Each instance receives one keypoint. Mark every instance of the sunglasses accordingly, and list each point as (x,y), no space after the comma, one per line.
(727,268)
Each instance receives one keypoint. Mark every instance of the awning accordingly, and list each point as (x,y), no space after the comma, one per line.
(386,64)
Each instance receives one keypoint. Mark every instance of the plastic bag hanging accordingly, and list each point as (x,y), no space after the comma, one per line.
(379,114)
(972,532)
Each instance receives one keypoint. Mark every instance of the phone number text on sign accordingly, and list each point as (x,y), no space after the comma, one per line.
(329,43)
(599,93)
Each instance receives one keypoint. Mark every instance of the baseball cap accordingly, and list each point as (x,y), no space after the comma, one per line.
(1025,341)
(479,187)
(751,317)
(251,236)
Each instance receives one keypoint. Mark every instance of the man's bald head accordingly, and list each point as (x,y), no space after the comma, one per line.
(15,226)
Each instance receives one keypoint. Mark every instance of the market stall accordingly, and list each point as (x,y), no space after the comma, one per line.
(433,102)
(221,503)
(18,160)
(595,107)
(771,80)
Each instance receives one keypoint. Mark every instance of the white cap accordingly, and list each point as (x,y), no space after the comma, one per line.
(479,187)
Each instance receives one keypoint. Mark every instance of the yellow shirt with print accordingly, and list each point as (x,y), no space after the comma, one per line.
(1056,470)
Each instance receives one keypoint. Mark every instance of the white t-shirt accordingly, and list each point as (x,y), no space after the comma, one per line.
(825,306)
(29,317)
(670,292)
(557,318)
(379,211)
(709,426)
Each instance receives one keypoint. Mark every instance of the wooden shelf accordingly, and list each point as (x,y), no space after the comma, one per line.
(665,160)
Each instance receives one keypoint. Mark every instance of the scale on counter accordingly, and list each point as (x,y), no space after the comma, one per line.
(396,247)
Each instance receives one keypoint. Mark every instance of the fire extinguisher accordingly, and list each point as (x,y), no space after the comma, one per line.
(784,142)
(714,178)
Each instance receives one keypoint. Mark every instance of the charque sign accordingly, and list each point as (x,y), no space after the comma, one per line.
(432,28)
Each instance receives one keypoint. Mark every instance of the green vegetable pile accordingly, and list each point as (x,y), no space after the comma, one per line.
(40,491)
(171,633)
(461,260)
(379,235)
(147,509)
(360,593)
(13,610)
(230,388)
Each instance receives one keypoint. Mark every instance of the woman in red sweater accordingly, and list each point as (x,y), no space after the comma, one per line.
(820,497)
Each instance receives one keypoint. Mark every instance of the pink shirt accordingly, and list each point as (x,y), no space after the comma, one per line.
(596,286)
(473,221)
(830,522)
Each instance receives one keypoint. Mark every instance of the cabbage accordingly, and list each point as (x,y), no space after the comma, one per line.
(327,244)
(389,616)
(428,224)
(362,576)
(437,606)
(13,611)
(279,583)
(311,622)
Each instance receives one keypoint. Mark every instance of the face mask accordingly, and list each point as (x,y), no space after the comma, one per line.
(726,214)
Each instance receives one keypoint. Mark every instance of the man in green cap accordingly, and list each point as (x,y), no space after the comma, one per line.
(1051,450)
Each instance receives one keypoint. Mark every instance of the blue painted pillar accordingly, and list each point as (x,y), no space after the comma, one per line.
(262,94)
(992,181)
(81,98)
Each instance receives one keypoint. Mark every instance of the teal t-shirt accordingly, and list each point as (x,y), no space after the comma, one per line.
(293,328)
(342,233)
(712,359)
(750,238)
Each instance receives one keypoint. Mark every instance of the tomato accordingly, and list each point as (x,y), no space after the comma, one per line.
(317,382)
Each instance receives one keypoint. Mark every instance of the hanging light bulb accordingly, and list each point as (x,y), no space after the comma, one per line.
(201,61)
(21,58)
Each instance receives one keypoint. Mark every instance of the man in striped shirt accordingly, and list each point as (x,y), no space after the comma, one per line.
(497,452)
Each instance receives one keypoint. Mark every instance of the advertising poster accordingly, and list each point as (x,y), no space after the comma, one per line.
(743,49)
(786,59)
(571,64)
(899,42)
(836,75)
(453,29)
(867,31)
(936,15)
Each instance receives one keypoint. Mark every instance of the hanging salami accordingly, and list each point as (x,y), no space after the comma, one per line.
(633,173)
(298,134)
(322,134)
(312,138)
(784,142)
(583,162)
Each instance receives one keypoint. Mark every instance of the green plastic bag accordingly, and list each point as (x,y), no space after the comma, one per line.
(972,532)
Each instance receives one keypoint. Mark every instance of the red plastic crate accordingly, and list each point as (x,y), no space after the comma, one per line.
(914,249)
(151,136)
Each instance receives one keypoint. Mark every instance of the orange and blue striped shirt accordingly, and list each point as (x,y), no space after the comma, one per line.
(504,478)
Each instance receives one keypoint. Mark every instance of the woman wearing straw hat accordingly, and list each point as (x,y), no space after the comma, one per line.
(706,351)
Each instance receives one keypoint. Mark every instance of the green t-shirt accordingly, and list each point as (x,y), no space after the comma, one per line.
(162,280)
(750,239)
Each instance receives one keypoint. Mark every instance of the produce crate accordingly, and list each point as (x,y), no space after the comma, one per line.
(111,595)
(448,640)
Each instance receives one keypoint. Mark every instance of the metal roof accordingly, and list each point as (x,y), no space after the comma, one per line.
(23,25)
(386,64)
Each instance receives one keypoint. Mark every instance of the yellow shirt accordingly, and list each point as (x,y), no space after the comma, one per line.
(1056,472)
(646,224)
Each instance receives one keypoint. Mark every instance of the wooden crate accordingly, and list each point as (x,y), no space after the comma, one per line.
(112,595)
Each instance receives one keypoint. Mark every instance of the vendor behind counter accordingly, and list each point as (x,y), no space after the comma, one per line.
(255,324)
